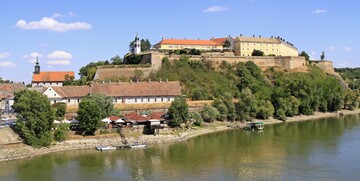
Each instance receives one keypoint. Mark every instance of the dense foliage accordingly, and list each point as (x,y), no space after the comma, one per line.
(91,110)
(60,109)
(257,53)
(351,75)
(35,117)
(258,94)
(178,111)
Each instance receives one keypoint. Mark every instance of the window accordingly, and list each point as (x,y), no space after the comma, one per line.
(54,94)
(68,100)
(148,99)
(169,99)
(135,99)
(260,44)
(142,100)
(54,101)
(243,54)
(78,100)
(155,99)
(162,99)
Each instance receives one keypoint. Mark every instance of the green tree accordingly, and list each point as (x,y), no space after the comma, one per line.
(69,80)
(116,60)
(322,57)
(304,54)
(89,115)
(34,117)
(196,118)
(105,103)
(227,44)
(194,52)
(246,107)
(257,53)
(145,45)
(209,113)
(60,108)
(179,111)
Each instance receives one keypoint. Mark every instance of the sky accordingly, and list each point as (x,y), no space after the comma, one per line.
(68,34)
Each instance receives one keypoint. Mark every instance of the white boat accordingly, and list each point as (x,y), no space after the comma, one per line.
(137,145)
(254,126)
(105,148)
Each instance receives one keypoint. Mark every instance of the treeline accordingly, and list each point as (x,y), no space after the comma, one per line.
(244,92)
(351,75)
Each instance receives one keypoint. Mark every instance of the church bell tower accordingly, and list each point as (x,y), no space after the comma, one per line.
(137,45)
(37,66)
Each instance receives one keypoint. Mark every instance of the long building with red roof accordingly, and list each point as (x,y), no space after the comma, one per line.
(179,44)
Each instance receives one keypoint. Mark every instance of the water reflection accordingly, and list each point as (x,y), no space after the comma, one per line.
(296,151)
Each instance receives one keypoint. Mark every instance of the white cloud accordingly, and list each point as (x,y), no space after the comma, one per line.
(57,15)
(47,23)
(7,64)
(348,49)
(71,14)
(58,62)
(32,57)
(318,11)
(4,55)
(331,48)
(213,9)
(58,55)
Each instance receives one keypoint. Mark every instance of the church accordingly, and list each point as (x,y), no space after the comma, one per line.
(47,79)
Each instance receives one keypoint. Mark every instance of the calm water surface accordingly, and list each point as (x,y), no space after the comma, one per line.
(315,150)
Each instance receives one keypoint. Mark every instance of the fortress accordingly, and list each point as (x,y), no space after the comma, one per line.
(277,53)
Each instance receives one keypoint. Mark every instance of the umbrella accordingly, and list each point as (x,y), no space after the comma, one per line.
(106,120)
(119,121)
(74,121)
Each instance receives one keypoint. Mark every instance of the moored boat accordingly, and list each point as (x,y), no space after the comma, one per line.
(254,125)
(105,148)
(137,145)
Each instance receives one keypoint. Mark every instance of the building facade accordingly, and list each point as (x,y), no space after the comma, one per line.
(276,46)
(122,93)
(46,79)
(179,44)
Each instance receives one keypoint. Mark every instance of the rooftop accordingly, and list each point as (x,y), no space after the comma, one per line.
(188,42)
(51,76)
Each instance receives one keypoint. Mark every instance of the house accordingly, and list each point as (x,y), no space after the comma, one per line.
(47,79)
(179,44)
(7,93)
(121,92)
(222,41)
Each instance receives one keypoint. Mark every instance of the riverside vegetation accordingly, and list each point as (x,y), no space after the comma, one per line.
(241,92)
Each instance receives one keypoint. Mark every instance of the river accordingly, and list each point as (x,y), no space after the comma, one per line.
(326,149)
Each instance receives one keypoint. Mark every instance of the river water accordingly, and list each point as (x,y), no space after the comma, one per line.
(326,149)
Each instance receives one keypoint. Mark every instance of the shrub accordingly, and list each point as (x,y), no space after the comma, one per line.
(60,135)
(198,120)
(209,113)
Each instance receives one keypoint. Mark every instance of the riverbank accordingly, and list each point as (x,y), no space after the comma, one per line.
(21,151)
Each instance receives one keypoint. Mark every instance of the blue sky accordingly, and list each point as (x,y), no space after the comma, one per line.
(68,34)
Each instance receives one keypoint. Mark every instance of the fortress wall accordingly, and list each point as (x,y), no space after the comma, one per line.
(327,66)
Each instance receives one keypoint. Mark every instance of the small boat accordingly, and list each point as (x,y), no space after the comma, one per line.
(254,126)
(137,145)
(105,148)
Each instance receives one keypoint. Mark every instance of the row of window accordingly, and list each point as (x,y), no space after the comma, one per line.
(170,46)
(261,49)
(259,44)
(136,100)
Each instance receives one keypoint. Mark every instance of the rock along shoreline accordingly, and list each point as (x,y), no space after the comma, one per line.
(21,151)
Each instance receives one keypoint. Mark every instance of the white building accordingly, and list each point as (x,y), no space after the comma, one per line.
(122,93)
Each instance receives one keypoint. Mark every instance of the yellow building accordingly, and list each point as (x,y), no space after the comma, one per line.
(179,44)
(244,46)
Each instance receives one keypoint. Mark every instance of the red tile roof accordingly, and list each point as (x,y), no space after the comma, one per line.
(8,89)
(127,89)
(156,115)
(188,42)
(72,91)
(134,117)
(219,40)
(51,76)
(114,118)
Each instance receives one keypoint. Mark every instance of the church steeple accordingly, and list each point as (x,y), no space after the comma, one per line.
(137,45)
(37,66)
